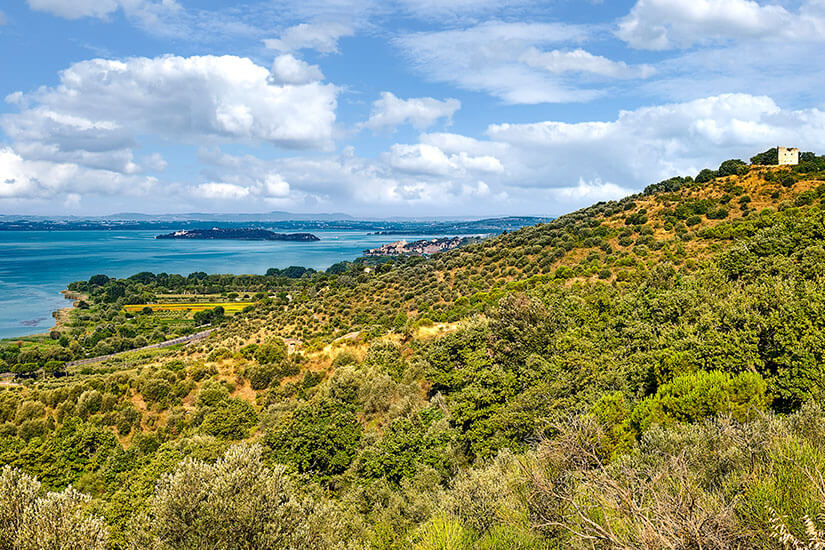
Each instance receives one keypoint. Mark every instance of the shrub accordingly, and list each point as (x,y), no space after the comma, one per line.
(705,176)
(273,350)
(219,354)
(199,371)
(155,389)
(767,158)
(385,356)
(234,504)
(231,419)
(344,358)
(211,394)
(805,198)
(57,520)
(320,438)
(29,410)
(733,167)
(694,397)
(261,376)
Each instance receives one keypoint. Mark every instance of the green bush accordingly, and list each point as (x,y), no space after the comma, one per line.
(733,167)
(231,419)
(705,176)
(320,438)
(385,355)
(767,158)
(261,376)
(273,350)
(695,397)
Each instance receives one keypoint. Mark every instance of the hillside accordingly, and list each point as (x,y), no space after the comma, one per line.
(613,242)
(644,373)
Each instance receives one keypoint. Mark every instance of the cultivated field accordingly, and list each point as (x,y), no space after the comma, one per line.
(228,307)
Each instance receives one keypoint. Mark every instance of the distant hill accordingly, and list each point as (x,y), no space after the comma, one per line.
(276,216)
(230,221)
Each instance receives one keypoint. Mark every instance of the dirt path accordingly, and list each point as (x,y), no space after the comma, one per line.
(180,340)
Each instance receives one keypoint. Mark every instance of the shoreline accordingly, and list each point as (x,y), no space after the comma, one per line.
(61,316)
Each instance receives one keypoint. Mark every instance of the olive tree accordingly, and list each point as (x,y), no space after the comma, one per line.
(234,504)
(54,521)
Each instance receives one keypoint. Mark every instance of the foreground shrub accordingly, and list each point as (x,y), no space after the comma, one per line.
(236,503)
(56,520)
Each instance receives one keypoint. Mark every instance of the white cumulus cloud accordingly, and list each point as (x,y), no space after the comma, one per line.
(425,159)
(581,61)
(221,190)
(101,106)
(420,159)
(322,37)
(274,185)
(651,143)
(82,135)
(287,69)
(421,112)
(548,167)
(593,191)
(667,24)
(24,180)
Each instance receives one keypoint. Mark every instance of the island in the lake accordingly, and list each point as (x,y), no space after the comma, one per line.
(420,248)
(238,234)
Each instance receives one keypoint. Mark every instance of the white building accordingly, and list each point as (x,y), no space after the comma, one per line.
(788,156)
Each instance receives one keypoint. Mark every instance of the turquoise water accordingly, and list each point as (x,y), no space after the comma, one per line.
(36,265)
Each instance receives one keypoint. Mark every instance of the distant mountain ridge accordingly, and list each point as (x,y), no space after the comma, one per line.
(243,217)
(380,227)
(274,216)
(190,216)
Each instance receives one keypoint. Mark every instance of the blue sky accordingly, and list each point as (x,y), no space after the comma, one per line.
(398,107)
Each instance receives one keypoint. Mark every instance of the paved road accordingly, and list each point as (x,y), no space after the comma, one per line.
(180,340)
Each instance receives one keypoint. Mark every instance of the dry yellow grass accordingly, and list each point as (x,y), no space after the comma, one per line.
(437,329)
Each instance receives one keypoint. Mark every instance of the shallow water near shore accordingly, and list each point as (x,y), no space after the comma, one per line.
(36,265)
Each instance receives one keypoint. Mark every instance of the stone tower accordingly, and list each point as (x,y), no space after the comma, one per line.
(788,156)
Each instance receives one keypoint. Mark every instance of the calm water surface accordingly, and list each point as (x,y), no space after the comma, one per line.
(36,265)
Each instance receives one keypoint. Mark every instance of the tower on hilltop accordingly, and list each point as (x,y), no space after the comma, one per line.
(788,156)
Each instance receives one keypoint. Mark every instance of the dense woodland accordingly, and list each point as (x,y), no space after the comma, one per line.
(645,373)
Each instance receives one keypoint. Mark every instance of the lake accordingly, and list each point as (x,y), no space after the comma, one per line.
(36,265)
